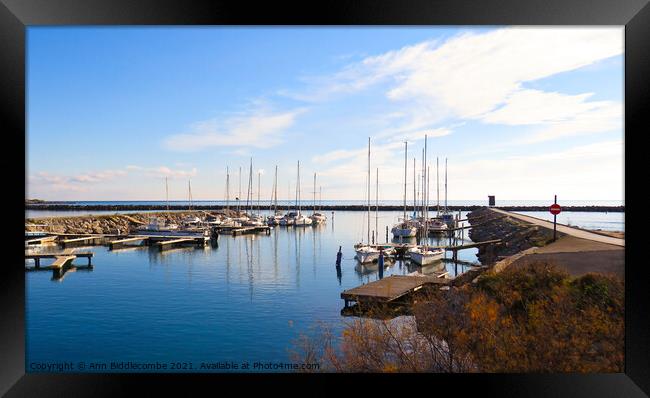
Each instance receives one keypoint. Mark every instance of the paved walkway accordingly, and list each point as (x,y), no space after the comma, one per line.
(578,233)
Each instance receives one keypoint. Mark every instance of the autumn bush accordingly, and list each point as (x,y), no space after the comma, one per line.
(533,318)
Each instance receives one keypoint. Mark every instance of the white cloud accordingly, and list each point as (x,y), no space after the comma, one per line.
(587,171)
(164,171)
(470,75)
(257,129)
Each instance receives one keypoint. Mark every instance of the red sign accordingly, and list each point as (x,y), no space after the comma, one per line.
(555,209)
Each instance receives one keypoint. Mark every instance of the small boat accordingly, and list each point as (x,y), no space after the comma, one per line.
(157,226)
(367,254)
(289,219)
(302,221)
(317,217)
(425,256)
(404,230)
(254,221)
(437,226)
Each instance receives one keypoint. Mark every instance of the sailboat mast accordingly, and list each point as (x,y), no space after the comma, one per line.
(377,208)
(276,189)
(424,176)
(189,188)
(249,198)
(437,188)
(166,194)
(239,195)
(298,190)
(320,198)
(368,190)
(406,149)
(258,192)
(414,192)
(314,192)
(228,188)
(426,189)
(445,185)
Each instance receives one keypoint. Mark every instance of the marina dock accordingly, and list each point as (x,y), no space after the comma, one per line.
(390,289)
(61,259)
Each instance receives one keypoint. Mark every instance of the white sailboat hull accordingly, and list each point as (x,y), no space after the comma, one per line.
(303,222)
(422,257)
(367,255)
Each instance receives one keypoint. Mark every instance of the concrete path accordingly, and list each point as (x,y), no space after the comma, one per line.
(578,233)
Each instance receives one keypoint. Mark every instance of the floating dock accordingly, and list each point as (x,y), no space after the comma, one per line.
(243,230)
(390,289)
(61,259)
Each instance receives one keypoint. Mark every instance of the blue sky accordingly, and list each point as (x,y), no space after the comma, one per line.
(521,113)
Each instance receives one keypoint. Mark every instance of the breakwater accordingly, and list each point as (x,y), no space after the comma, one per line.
(101,224)
(73,207)
(516,235)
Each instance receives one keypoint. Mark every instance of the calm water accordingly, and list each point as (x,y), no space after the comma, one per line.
(243,301)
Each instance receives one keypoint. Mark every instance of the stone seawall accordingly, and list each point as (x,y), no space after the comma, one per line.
(516,235)
(101,224)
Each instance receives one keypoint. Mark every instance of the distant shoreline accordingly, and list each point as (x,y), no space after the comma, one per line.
(71,207)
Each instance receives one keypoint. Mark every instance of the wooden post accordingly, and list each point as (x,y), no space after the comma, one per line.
(339,255)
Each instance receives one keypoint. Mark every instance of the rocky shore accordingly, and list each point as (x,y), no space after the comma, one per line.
(102,224)
(516,235)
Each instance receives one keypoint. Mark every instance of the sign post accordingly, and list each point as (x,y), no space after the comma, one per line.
(555,209)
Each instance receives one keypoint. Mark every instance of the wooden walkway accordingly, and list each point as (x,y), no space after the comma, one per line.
(61,259)
(243,230)
(116,244)
(390,288)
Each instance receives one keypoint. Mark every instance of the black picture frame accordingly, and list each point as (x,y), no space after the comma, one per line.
(17,15)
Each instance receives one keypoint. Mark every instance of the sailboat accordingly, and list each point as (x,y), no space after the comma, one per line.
(425,255)
(404,229)
(365,252)
(437,225)
(277,215)
(300,220)
(254,220)
(317,217)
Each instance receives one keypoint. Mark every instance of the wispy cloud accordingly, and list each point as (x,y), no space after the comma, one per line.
(471,75)
(258,128)
(163,171)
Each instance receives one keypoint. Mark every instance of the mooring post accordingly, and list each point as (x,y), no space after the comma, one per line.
(380,263)
(339,255)
(373,237)
(386,233)
(37,262)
